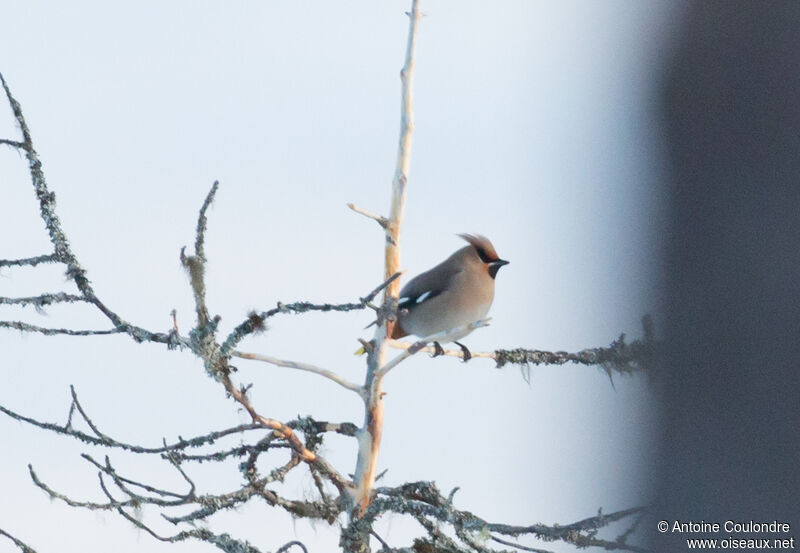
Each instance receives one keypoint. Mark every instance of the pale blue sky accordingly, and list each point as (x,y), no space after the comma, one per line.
(534,127)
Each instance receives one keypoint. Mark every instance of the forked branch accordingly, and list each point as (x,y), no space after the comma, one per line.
(370,437)
(299,441)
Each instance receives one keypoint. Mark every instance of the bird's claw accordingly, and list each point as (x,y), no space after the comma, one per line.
(465,351)
(437,349)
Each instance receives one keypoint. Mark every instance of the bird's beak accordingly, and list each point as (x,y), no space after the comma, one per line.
(494,266)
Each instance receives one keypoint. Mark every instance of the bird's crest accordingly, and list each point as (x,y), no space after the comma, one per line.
(485,248)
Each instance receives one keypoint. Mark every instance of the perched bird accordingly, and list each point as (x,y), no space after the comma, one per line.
(456,292)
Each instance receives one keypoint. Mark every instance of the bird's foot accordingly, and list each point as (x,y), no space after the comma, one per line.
(437,349)
(467,353)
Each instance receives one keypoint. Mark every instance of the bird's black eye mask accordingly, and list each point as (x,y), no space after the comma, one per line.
(484,256)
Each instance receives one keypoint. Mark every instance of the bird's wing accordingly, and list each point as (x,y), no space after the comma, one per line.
(422,288)
(425,286)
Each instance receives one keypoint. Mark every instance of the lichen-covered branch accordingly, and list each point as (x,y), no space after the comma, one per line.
(30,261)
(25,327)
(296,443)
(620,357)
(423,502)
(128,493)
(25,548)
(204,344)
(196,264)
(43,300)
(256,322)
(62,249)
(101,439)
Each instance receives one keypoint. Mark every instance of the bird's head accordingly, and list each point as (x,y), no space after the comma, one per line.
(486,252)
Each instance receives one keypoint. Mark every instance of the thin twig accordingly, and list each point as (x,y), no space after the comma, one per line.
(58,238)
(22,545)
(215,359)
(397,344)
(341,381)
(289,435)
(202,222)
(196,264)
(416,347)
(520,546)
(30,261)
(581,533)
(384,545)
(12,143)
(222,541)
(43,299)
(218,456)
(107,441)
(380,219)
(285,547)
(122,482)
(25,327)
(256,321)
(423,499)
(623,537)
(113,503)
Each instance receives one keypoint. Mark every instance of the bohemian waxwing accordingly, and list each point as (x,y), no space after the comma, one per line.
(456,292)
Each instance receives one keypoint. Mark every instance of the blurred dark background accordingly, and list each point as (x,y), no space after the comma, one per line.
(731,393)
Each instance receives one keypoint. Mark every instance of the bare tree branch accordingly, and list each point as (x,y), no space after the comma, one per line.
(222,541)
(297,442)
(423,500)
(122,483)
(255,322)
(520,546)
(43,299)
(421,344)
(30,261)
(398,344)
(12,143)
(287,546)
(204,344)
(103,440)
(47,210)
(620,357)
(303,367)
(380,219)
(22,545)
(370,438)
(62,251)
(25,327)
